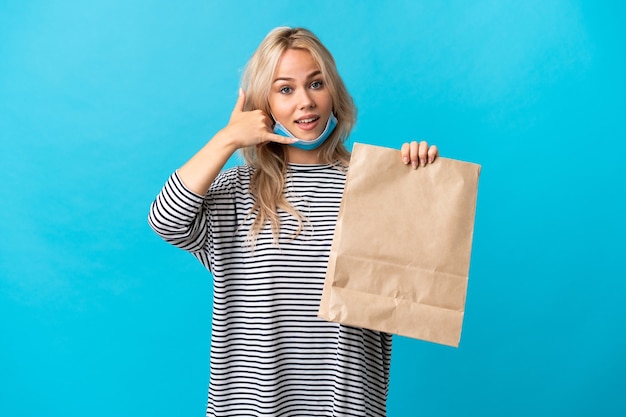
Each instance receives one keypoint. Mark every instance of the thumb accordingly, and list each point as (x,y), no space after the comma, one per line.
(241,100)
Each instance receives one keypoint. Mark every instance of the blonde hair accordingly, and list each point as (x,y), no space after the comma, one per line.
(270,160)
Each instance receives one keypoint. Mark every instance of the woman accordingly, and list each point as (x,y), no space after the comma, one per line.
(264,230)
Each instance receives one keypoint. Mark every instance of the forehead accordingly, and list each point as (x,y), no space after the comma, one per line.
(296,62)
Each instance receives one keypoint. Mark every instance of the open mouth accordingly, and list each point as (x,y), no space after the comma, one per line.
(307,120)
(308,123)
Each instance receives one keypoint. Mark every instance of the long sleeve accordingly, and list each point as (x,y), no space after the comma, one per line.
(177,216)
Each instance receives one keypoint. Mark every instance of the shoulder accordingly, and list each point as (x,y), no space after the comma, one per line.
(236,173)
(232,179)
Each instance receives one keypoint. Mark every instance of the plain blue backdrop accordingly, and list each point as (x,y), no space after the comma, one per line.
(101,100)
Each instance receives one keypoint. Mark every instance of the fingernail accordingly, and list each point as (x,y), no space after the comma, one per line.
(405,160)
(423,163)
(414,165)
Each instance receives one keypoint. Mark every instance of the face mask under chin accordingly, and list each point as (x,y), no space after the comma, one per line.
(308,145)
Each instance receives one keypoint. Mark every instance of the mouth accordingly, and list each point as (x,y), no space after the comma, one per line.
(307,120)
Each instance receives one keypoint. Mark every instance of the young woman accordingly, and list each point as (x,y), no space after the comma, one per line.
(264,230)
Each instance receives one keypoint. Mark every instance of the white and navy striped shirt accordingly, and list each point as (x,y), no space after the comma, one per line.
(270,353)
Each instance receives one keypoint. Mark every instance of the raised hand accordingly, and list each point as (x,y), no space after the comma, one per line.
(251,128)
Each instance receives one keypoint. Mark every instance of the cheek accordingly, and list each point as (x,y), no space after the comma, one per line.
(327,108)
(279,109)
(330,105)
(326,101)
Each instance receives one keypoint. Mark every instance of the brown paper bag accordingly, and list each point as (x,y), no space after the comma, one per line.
(399,260)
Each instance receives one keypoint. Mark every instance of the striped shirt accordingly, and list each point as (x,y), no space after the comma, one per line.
(270,353)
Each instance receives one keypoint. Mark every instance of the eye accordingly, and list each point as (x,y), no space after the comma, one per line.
(316,85)
(285,90)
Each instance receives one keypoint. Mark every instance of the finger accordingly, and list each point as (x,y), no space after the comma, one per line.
(404,152)
(413,153)
(241,101)
(269,122)
(273,137)
(423,152)
(433,152)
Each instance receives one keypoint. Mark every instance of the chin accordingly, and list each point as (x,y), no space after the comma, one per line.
(309,135)
(308,138)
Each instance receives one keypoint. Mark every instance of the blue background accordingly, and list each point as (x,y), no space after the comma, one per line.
(100,101)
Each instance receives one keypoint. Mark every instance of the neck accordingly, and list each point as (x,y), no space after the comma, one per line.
(300,156)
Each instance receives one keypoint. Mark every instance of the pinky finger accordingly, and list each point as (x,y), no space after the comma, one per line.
(286,140)
(433,152)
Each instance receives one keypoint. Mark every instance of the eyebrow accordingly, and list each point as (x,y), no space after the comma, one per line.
(311,75)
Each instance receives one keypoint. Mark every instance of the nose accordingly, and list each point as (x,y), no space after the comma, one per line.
(305,101)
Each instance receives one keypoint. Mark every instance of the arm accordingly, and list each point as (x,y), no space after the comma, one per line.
(176,214)
(245,128)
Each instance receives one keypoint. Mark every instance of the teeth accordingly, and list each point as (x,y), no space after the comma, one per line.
(307,120)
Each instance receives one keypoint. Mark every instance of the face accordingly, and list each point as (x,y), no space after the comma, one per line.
(299,99)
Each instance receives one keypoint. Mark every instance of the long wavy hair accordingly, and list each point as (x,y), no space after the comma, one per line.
(270,160)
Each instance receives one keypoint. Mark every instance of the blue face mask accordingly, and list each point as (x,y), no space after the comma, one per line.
(308,145)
